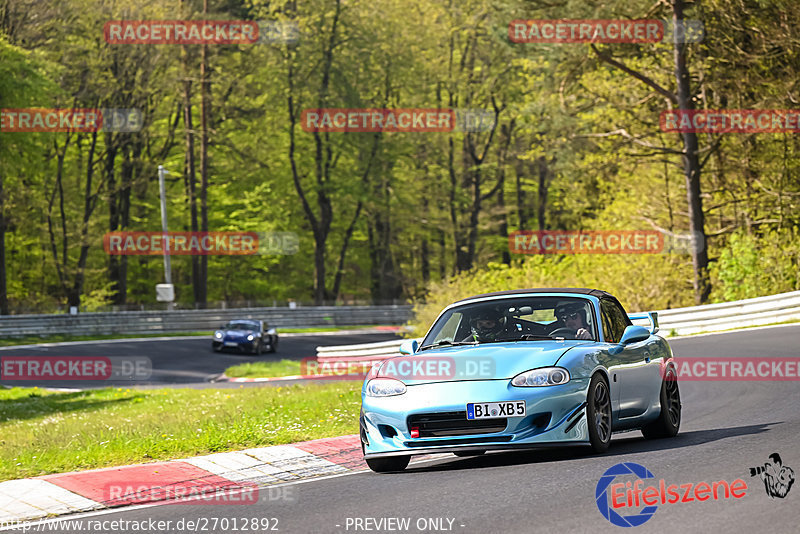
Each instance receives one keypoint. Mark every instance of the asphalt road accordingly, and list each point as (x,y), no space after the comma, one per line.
(187,362)
(727,428)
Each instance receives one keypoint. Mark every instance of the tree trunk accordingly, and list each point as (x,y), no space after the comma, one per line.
(702,286)
(202,289)
(3,289)
(113,214)
(541,206)
(189,167)
(323,159)
(522,209)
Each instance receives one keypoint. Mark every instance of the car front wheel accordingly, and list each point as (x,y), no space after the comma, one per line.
(598,414)
(388,464)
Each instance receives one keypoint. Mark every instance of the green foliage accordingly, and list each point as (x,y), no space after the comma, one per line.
(641,282)
(754,266)
(577,146)
(98,299)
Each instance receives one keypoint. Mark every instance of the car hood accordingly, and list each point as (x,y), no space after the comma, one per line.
(237,333)
(481,362)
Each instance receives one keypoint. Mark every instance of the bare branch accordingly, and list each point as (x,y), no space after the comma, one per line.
(641,77)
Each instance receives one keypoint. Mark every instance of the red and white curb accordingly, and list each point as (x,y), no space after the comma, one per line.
(210,475)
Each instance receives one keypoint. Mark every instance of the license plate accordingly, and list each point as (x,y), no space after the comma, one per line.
(495,410)
(231,344)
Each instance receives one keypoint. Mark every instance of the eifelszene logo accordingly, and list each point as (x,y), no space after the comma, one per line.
(613,498)
(778,478)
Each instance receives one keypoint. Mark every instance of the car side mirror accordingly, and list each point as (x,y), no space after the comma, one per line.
(409,346)
(634,334)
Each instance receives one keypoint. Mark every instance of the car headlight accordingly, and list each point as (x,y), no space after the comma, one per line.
(385,387)
(250,337)
(218,335)
(545,376)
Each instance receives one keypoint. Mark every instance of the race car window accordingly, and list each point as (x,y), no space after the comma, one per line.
(514,320)
(617,320)
(241,326)
(448,331)
(608,334)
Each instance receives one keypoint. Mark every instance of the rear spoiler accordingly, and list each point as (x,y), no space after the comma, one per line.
(648,316)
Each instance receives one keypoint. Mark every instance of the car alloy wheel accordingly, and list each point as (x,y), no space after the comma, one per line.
(673,401)
(598,414)
(669,420)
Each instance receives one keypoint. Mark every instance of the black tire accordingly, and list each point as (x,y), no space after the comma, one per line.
(388,464)
(258,348)
(464,454)
(669,420)
(598,413)
(273,345)
(216,348)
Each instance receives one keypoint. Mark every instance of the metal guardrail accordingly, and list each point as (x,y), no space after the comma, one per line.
(153,322)
(726,315)
(679,321)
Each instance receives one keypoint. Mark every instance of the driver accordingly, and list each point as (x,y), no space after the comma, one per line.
(573,316)
(486,325)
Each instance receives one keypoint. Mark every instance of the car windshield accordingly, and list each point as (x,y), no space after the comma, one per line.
(515,319)
(241,326)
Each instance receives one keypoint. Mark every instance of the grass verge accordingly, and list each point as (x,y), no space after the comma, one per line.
(58,338)
(45,432)
(264,369)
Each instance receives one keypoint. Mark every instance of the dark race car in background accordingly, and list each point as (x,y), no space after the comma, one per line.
(246,335)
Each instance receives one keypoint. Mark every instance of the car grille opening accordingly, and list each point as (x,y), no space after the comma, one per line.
(444,424)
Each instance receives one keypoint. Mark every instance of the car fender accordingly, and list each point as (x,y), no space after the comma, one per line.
(583,362)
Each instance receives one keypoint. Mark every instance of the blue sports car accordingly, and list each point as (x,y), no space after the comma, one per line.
(245,335)
(520,369)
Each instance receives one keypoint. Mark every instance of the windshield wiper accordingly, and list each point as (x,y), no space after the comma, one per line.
(448,343)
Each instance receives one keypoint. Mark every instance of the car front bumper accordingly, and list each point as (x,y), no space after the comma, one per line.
(555,415)
(241,344)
